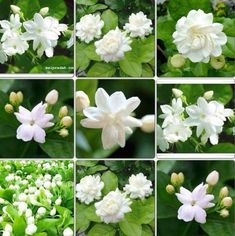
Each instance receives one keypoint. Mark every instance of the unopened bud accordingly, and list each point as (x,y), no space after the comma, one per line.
(170,189)
(224,213)
(217,62)
(52,97)
(67,121)
(20,97)
(63,111)
(44,11)
(9,108)
(223,192)
(181,178)
(15,9)
(227,202)
(82,101)
(13,98)
(63,133)
(212,178)
(174,179)
(178,93)
(208,95)
(148,123)
(177,60)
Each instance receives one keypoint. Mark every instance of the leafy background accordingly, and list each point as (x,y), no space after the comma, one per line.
(195,172)
(140,144)
(139,222)
(168,14)
(224,93)
(137,63)
(34,91)
(63,57)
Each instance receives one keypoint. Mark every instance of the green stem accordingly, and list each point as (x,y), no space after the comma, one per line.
(185,233)
(25,149)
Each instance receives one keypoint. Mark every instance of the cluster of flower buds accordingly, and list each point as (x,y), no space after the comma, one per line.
(176,182)
(15,99)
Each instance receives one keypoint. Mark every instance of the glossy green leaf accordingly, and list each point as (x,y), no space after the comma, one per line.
(110,182)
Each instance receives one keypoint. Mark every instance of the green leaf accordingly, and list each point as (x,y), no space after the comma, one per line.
(110,20)
(82,61)
(82,223)
(96,7)
(229,48)
(87,2)
(114,4)
(177,12)
(165,28)
(91,215)
(90,52)
(110,182)
(6,84)
(146,231)
(229,25)
(7,194)
(165,166)
(218,228)
(147,71)
(130,228)
(200,69)
(28,7)
(19,226)
(102,229)
(222,148)
(101,70)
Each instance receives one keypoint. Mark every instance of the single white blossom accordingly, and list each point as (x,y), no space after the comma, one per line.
(113,115)
(194,203)
(68,232)
(139,25)
(31,229)
(33,123)
(112,208)
(113,45)
(89,27)
(161,140)
(198,38)
(139,186)
(89,189)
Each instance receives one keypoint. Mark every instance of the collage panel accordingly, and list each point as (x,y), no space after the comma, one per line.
(37,198)
(195,118)
(115,118)
(195,198)
(115,198)
(115,38)
(36,37)
(36,118)
(195,39)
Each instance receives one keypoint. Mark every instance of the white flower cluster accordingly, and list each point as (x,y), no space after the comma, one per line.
(115,43)
(44,32)
(113,206)
(207,117)
(37,194)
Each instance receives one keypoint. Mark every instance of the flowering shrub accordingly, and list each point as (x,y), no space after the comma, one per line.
(36,198)
(199,118)
(195,202)
(115,197)
(195,39)
(33,39)
(110,112)
(40,126)
(115,38)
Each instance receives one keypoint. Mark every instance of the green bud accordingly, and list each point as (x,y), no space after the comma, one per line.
(224,213)
(227,202)
(174,179)
(217,62)
(63,111)
(63,133)
(13,98)
(170,189)
(208,95)
(20,97)
(177,60)
(9,108)
(223,192)
(181,178)
(66,121)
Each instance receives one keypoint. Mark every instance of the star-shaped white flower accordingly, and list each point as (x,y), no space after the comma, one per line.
(113,115)
(33,123)
(161,140)
(194,203)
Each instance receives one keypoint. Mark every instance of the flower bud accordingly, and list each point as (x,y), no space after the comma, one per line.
(177,92)
(41,211)
(212,178)
(208,95)
(8,228)
(148,123)
(68,232)
(9,108)
(63,111)
(82,101)
(13,98)
(170,189)
(44,11)
(217,62)
(15,9)
(180,178)
(63,133)
(227,202)
(224,213)
(58,201)
(174,179)
(53,211)
(223,192)
(52,97)
(31,229)
(177,60)
(20,97)
(67,121)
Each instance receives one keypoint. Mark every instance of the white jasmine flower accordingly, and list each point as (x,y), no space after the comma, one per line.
(113,115)
(113,45)
(28,213)
(194,203)
(6,233)
(198,38)
(44,32)
(33,123)
(30,220)
(89,189)
(68,232)
(139,186)
(139,25)
(112,208)
(10,177)
(89,27)
(31,229)
(22,207)
(170,113)
(52,97)
(161,140)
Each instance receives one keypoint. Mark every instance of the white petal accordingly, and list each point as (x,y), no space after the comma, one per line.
(39,134)
(200,214)
(186,213)
(109,136)
(25,132)
(102,99)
